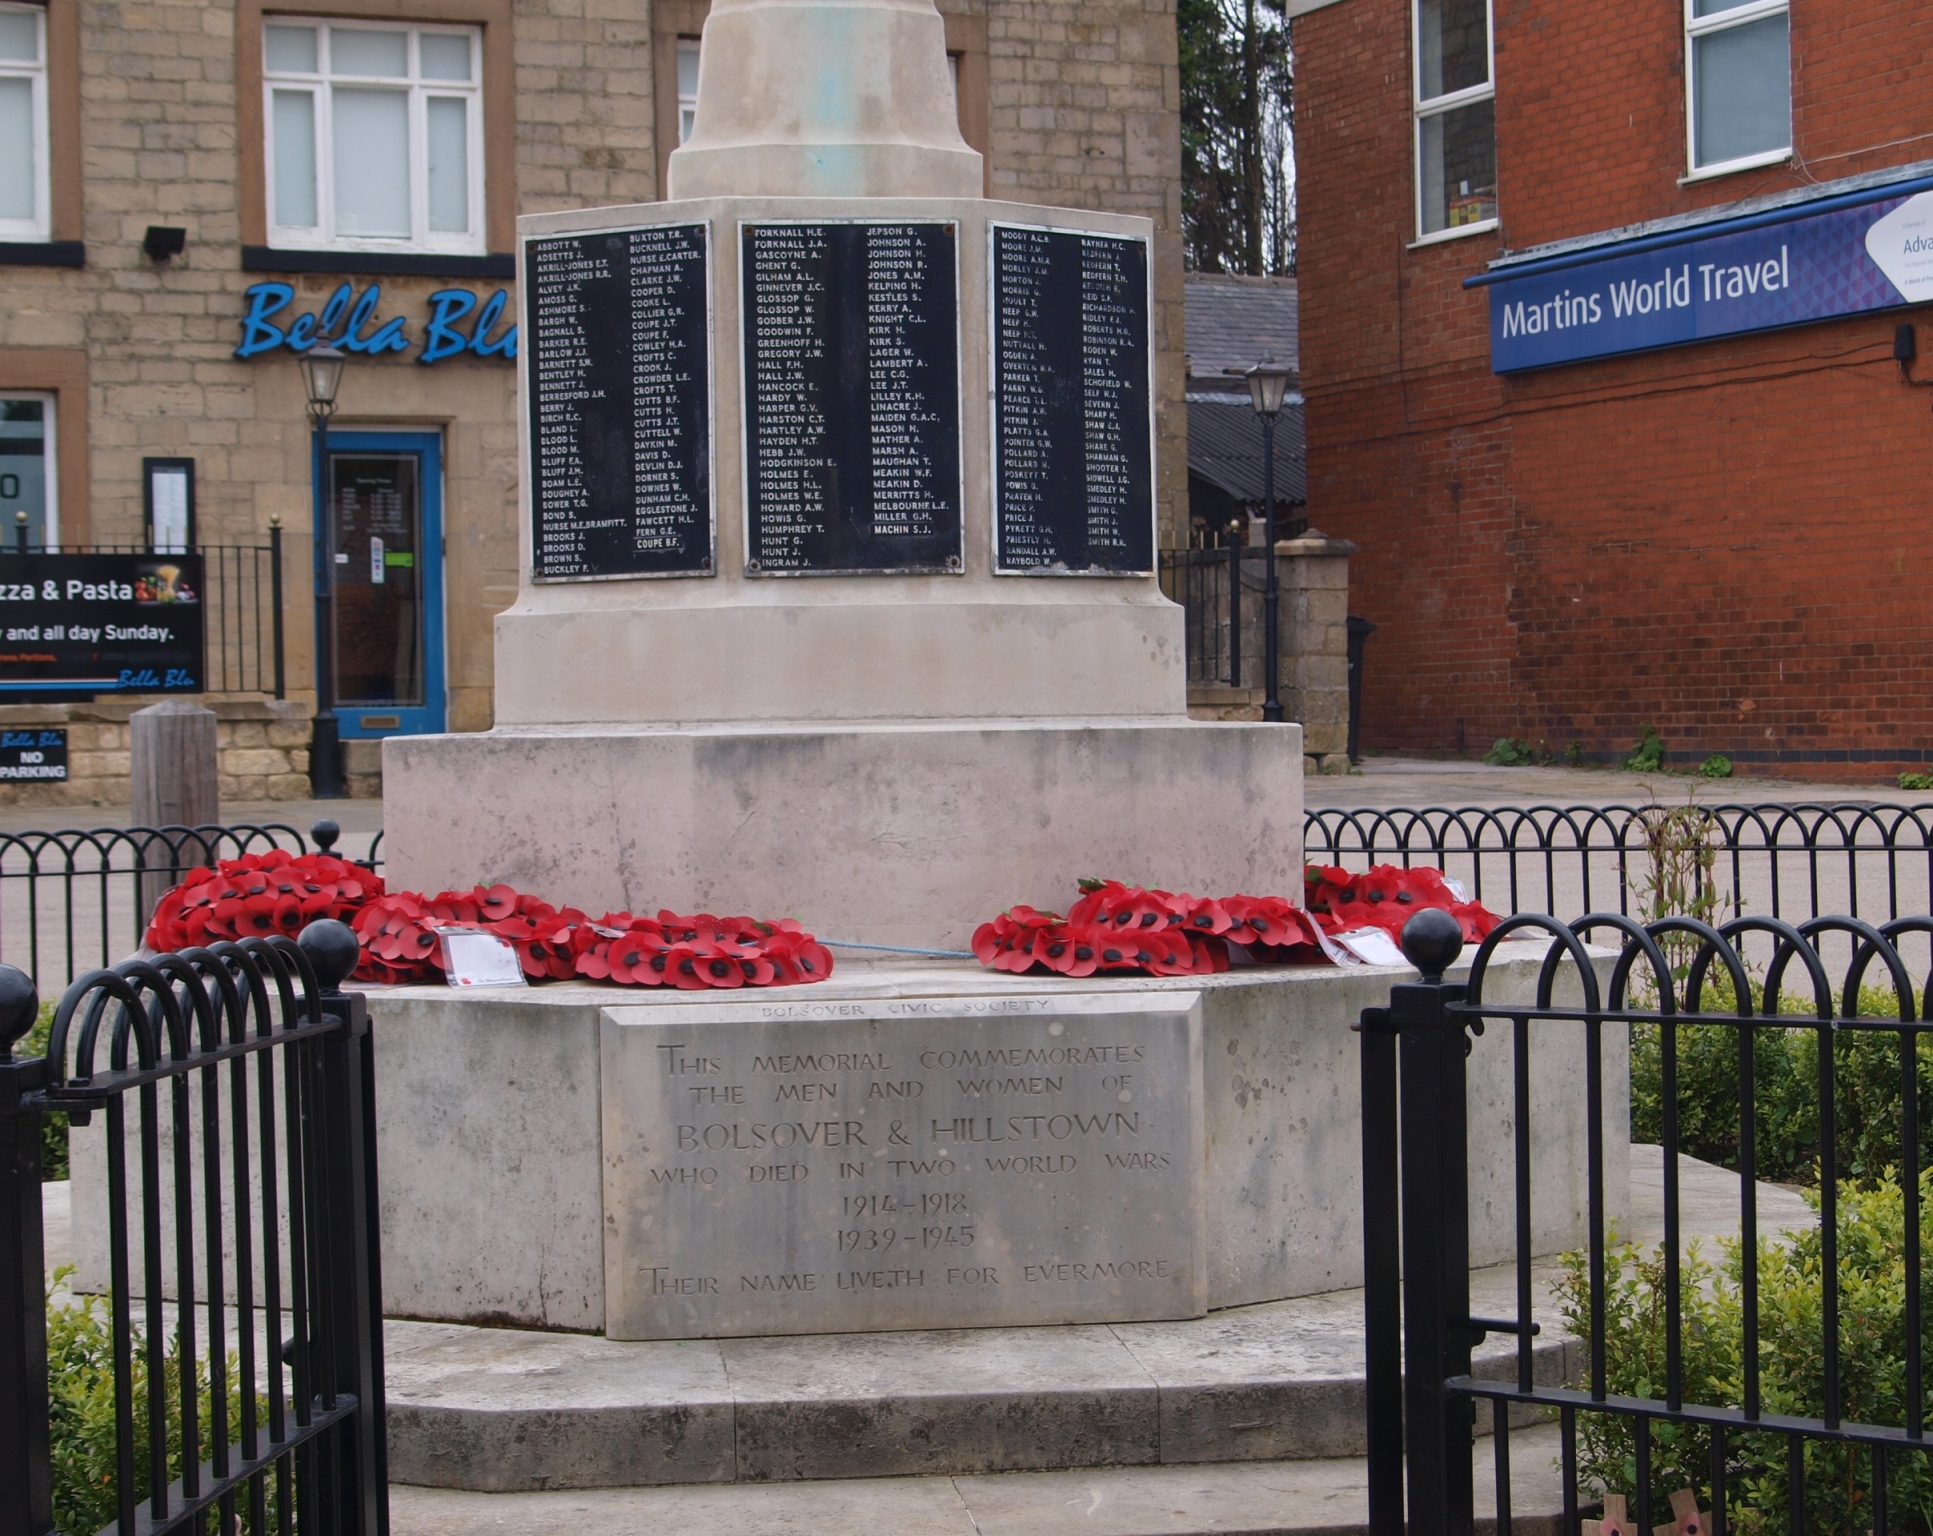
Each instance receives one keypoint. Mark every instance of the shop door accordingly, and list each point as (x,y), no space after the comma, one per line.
(386,506)
(27,462)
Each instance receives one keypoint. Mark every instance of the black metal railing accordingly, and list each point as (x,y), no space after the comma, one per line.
(243,638)
(1817,1419)
(1221,592)
(1791,861)
(234,1090)
(74,900)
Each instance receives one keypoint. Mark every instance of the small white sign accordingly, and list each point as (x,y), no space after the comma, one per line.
(1371,946)
(170,493)
(376,560)
(1901,246)
(474,959)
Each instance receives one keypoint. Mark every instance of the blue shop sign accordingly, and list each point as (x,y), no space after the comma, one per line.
(350,321)
(1847,255)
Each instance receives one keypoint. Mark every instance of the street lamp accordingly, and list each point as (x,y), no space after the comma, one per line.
(322,376)
(1268,382)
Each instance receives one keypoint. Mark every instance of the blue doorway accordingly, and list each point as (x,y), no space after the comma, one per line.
(385,540)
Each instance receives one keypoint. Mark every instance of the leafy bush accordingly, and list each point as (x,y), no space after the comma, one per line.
(1717,766)
(53,1128)
(80,1369)
(1647,752)
(1872,1367)
(1911,780)
(1510,752)
(1785,1071)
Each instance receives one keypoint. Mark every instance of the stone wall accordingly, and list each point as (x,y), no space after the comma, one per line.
(264,747)
(1085,112)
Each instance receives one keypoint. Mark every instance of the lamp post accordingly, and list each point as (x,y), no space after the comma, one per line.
(322,377)
(1268,382)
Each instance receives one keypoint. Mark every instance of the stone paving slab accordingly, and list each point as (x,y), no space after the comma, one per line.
(1412,781)
(1295,1498)
(500,1409)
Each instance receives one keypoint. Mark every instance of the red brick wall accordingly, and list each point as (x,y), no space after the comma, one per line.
(1726,540)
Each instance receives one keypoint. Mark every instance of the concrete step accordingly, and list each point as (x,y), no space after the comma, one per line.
(1254,1498)
(498,1410)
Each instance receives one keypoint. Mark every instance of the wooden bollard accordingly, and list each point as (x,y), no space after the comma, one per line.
(175,771)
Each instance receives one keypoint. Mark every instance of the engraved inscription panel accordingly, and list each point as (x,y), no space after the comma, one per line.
(852,397)
(799,1166)
(1073,427)
(620,403)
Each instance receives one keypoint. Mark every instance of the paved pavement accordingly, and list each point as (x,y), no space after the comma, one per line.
(1415,782)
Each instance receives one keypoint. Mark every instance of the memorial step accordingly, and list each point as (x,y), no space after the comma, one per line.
(1255,1498)
(504,1410)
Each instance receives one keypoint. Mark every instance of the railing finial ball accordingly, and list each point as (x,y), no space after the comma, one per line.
(325,832)
(332,949)
(1431,942)
(19,1007)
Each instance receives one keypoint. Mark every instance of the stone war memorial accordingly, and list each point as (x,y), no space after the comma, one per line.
(838,602)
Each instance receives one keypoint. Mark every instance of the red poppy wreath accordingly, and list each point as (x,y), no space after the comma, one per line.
(279,892)
(1123,928)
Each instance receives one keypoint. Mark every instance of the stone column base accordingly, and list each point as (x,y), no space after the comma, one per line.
(888,834)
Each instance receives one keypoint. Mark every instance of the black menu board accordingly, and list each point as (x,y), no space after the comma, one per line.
(1073,429)
(620,403)
(852,397)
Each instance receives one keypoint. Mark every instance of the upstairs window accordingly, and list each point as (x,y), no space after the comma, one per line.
(1739,83)
(687,86)
(1456,119)
(23,123)
(375,136)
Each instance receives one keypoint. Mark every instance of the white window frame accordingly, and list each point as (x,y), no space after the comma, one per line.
(1704,26)
(1436,106)
(421,238)
(50,449)
(40,226)
(687,105)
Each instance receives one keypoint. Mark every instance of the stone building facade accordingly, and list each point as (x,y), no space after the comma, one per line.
(168,115)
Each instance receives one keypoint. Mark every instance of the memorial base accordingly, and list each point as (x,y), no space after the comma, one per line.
(506,1195)
(907,834)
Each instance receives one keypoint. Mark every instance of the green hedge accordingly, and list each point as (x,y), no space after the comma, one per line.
(1785,1068)
(1872,1333)
(80,1361)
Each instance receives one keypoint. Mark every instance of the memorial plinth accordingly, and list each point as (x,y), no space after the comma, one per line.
(514,1181)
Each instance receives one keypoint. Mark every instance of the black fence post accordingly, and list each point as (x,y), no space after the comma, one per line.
(1436,1231)
(26,1473)
(275,597)
(352,1286)
(1382,1274)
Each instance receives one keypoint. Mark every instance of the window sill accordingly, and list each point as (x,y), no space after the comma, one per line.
(1461,232)
(43,253)
(263,258)
(1733,167)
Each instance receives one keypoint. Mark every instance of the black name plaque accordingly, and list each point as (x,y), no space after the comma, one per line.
(852,397)
(1073,423)
(619,339)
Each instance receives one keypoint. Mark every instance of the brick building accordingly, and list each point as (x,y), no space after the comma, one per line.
(138,377)
(1599,319)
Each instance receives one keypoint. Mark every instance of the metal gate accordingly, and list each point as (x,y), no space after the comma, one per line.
(233,1087)
(1829,1446)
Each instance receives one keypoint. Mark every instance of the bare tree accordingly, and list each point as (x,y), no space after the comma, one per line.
(1237,102)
